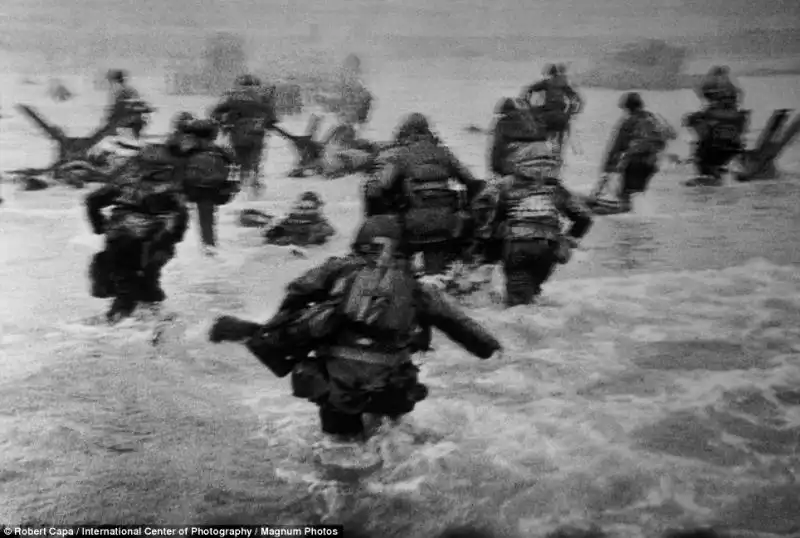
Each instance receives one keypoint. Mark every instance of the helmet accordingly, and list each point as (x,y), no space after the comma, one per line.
(505,105)
(562,68)
(719,70)
(310,199)
(182,119)
(553,70)
(378,226)
(352,64)
(413,124)
(247,81)
(631,101)
(205,129)
(116,75)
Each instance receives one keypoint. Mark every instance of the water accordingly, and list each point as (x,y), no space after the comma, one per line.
(652,388)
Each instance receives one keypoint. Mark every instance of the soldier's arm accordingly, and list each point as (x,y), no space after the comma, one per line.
(501,212)
(618,144)
(181,223)
(388,179)
(463,174)
(315,284)
(496,147)
(575,98)
(220,109)
(95,203)
(267,108)
(575,211)
(534,88)
(438,310)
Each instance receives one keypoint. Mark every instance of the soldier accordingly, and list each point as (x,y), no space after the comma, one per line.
(636,145)
(413,180)
(207,175)
(304,226)
(515,126)
(719,91)
(246,113)
(126,102)
(530,205)
(363,316)
(560,103)
(149,217)
(355,99)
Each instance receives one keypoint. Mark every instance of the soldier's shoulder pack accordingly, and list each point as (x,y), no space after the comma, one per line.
(207,169)
(647,136)
(380,299)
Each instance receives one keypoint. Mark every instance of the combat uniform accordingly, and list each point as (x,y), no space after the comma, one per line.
(561,101)
(304,226)
(358,369)
(515,126)
(414,179)
(246,113)
(206,176)
(127,104)
(635,147)
(719,91)
(149,217)
(531,203)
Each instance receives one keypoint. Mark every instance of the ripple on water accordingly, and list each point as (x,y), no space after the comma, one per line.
(685,434)
(714,355)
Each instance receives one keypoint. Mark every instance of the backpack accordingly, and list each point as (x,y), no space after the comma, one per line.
(648,136)
(725,131)
(533,212)
(147,182)
(207,169)
(432,213)
(380,299)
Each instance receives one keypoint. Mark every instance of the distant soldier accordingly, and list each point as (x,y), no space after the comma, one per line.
(206,174)
(719,91)
(638,141)
(126,102)
(304,226)
(355,99)
(561,102)
(245,114)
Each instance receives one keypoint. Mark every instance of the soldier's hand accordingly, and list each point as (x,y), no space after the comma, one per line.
(99,228)
(231,329)
(500,354)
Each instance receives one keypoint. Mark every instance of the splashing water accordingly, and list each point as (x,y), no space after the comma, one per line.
(655,387)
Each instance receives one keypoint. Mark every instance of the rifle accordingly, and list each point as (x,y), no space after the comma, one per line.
(270,346)
(605,178)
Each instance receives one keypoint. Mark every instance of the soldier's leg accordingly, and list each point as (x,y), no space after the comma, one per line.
(519,282)
(527,264)
(346,426)
(126,256)
(206,213)
(542,264)
(151,291)
(100,276)
(437,256)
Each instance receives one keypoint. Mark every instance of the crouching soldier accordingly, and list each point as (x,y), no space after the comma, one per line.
(530,205)
(304,226)
(148,218)
(362,316)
